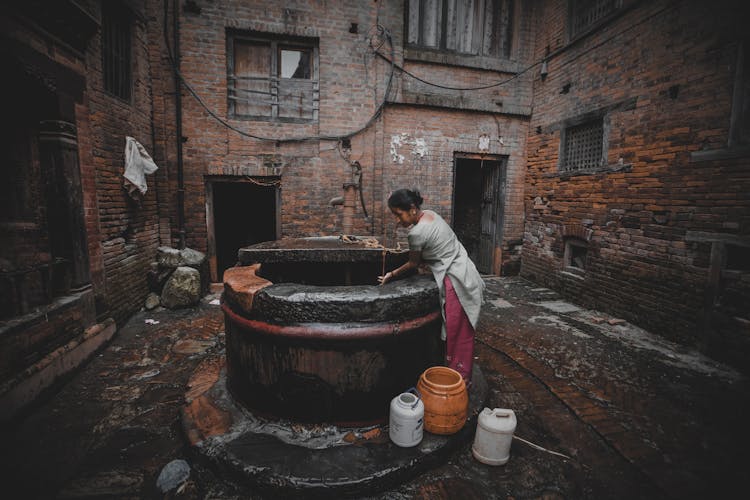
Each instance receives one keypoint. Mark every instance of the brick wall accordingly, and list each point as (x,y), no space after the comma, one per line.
(662,73)
(128,231)
(438,122)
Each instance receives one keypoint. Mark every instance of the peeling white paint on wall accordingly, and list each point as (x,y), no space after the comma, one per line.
(395,144)
(484,142)
(418,147)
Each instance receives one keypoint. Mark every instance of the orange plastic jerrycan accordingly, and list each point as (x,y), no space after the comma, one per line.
(446,401)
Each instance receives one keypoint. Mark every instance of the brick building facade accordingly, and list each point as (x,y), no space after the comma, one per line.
(596,147)
(75,246)
(637,189)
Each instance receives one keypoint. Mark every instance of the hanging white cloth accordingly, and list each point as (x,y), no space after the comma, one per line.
(138,164)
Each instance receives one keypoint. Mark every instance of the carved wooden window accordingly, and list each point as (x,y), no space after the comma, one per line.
(116,49)
(585,14)
(478,27)
(583,146)
(271,79)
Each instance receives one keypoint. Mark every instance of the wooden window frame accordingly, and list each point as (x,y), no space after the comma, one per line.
(577,29)
(488,43)
(275,44)
(117,50)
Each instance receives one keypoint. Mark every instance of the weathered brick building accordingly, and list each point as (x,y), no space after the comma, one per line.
(75,246)
(322,93)
(638,183)
(599,147)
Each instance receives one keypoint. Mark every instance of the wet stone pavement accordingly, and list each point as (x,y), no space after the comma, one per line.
(638,416)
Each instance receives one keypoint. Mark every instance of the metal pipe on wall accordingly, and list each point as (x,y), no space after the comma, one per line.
(178,125)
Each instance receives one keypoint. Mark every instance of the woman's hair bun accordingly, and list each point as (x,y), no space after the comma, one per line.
(416,197)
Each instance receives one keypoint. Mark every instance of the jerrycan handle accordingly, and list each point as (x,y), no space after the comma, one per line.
(414,391)
(500,413)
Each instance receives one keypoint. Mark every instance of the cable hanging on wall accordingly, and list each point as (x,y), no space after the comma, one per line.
(383,33)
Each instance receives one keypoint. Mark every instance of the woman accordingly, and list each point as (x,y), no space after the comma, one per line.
(461,288)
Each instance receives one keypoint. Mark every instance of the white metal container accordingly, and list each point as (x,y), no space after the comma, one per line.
(406,419)
(494,434)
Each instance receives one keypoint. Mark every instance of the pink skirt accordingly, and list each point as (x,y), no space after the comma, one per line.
(459,349)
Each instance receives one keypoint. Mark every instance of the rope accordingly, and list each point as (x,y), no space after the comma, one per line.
(370,242)
(541,448)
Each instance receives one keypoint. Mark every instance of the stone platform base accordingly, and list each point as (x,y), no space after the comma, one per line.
(282,458)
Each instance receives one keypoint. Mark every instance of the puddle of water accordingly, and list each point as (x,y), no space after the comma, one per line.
(558,323)
(501,303)
(558,306)
(673,354)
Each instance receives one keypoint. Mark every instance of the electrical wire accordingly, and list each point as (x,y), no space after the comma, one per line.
(448,87)
(383,32)
(383,35)
(537,63)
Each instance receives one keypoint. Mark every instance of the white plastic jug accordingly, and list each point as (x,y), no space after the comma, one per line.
(406,419)
(494,434)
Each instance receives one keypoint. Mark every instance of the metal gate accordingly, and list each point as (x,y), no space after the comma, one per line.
(490,203)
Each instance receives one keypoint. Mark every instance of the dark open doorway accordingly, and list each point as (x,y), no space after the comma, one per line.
(478,199)
(243,213)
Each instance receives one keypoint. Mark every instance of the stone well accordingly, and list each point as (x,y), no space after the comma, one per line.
(312,337)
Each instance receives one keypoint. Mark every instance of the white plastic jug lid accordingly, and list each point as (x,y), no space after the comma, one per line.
(498,420)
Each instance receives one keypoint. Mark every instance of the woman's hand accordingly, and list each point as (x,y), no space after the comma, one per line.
(385,278)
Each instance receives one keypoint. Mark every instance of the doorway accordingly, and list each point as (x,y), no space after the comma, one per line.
(242,213)
(478,199)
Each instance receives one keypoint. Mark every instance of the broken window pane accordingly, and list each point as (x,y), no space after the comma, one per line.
(295,64)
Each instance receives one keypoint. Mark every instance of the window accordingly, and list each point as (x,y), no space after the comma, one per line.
(585,14)
(116,49)
(479,27)
(739,134)
(583,146)
(576,251)
(271,79)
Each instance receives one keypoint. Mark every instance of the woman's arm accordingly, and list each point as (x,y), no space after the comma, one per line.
(415,258)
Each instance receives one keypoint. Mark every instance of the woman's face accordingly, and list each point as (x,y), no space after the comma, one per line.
(405,217)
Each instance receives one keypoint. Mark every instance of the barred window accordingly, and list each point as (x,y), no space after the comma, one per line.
(583,146)
(271,79)
(116,49)
(585,14)
(478,27)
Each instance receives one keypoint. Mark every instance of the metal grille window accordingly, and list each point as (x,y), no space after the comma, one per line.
(272,80)
(479,27)
(586,13)
(116,49)
(583,146)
